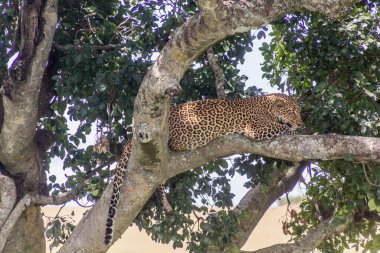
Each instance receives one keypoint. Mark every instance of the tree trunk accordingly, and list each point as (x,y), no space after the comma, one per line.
(19,155)
(150,160)
(27,235)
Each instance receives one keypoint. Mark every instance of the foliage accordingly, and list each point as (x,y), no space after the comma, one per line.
(102,52)
(59,228)
(90,75)
(333,66)
(9,11)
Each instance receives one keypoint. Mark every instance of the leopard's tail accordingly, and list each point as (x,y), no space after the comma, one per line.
(162,198)
(120,170)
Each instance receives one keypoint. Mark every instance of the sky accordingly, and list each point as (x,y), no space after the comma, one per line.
(252,67)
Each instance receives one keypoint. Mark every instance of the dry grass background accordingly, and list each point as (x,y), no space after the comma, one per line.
(268,232)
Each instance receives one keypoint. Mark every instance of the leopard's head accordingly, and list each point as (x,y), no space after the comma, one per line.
(285,111)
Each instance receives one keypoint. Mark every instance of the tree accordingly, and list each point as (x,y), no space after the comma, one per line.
(95,64)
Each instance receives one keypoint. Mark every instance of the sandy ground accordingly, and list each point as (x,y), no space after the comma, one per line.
(268,232)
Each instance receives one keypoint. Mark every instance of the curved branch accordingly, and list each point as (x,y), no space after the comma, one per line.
(20,111)
(257,200)
(40,200)
(30,199)
(12,219)
(309,242)
(290,147)
(150,157)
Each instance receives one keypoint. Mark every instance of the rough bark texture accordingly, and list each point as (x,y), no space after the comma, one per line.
(218,73)
(28,233)
(26,208)
(308,243)
(150,156)
(292,148)
(257,200)
(25,78)
(8,197)
(20,92)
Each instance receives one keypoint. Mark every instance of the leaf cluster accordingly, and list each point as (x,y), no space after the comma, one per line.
(102,51)
(333,66)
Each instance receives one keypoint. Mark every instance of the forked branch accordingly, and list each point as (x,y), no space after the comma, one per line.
(30,199)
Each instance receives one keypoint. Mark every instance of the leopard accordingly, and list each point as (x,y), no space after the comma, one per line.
(194,124)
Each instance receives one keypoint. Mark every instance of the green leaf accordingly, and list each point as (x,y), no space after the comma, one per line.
(95,193)
(372,206)
(234,249)
(260,35)
(223,163)
(52,178)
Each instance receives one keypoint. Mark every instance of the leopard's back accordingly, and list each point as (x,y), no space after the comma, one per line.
(196,123)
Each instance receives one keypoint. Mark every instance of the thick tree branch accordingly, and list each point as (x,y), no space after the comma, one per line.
(257,200)
(40,200)
(20,111)
(6,229)
(30,199)
(8,195)
(150,155)
(291,147)
(23,230)
(309,242)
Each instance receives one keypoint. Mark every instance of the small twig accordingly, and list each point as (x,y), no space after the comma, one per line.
(59,211)
(287,198)
(367,178)
(122,23)
(55,217)
(84,205)
(81,47)
(89,24)
(218,73)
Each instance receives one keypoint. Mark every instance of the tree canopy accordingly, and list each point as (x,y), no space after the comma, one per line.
(105,63)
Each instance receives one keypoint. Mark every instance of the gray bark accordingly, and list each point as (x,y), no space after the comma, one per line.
(18,113)
(309,242)
(8,197)
(218,73)
(27,235)
(257,200)
(290,147)
(28,202)
(150,156)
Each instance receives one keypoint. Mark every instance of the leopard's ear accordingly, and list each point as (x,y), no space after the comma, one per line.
(279,103)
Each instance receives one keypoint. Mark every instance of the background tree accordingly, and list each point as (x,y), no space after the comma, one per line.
(95,66)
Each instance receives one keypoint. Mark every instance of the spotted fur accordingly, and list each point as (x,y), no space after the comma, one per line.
(196,123)
(161,196)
